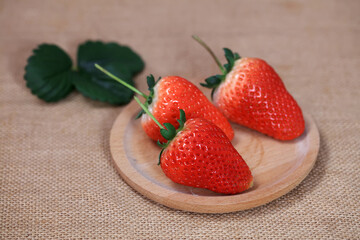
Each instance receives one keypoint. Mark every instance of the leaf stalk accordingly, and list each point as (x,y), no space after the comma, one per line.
(202,43)
(149,113)
(121,81)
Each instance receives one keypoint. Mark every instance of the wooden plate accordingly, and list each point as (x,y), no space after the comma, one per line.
(277,166)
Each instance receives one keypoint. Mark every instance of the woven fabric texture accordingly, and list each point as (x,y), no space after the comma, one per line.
(57,178)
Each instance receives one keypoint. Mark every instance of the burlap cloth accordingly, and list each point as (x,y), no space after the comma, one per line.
(57,177)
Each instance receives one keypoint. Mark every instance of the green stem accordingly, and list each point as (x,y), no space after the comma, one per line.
(149,113)
(202,43)
(120,81)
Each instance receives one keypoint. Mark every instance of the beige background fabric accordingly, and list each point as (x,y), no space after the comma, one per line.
(57,178)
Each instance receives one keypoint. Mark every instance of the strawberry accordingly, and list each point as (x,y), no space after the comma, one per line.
(173,93)
(199,154)
(249,92)
(167,96)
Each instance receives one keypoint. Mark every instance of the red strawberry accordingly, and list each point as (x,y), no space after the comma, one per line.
(199,154)
(174,93)
(250,93)
(202,156)
(167,96)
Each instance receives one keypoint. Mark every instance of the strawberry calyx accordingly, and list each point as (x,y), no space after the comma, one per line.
(151,84)
(214,81)
(170,132)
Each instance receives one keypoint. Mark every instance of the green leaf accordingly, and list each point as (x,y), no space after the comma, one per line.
(159,78)
(168,133)
(150,98)
(150,81)
(98,86)
(182,120)
(182,116)
(162,145)
(212,82)
(119,60)
(231,58)
(161,152)
(48,73)
(212,93)
(140,114)
(229,55)
(92,52)
(236,56)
